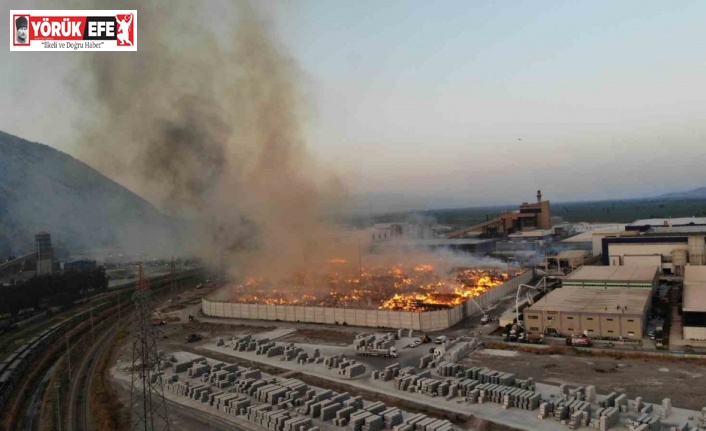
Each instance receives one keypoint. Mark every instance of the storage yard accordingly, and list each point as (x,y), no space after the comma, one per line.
(511,389)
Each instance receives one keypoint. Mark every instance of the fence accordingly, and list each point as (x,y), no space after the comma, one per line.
(422,321)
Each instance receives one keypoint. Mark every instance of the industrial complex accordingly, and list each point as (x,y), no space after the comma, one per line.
(417,343)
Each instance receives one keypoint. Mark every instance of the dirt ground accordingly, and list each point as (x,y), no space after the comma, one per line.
(321,336)
(653,379)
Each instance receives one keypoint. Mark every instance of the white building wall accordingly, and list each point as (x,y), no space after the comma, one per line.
(421,321)
(694,333)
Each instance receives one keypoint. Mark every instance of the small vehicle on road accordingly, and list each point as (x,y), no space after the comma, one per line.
(191,338)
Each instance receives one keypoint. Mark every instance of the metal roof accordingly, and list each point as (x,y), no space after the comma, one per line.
(680,221)
(694,288)
(630,301)
(627,274)
(572,254)
(697,229)
(588,235)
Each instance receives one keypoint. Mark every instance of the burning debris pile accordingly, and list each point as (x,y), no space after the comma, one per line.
(396,287)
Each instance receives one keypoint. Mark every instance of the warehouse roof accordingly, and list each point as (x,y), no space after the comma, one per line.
(588,235)
(696,229)
(628,274)
(694,288)
(572,254)
(681,221)
(611,301)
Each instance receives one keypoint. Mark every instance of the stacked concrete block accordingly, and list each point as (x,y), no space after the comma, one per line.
(425,361)
(666,408)
(198,370)
(291,351)
(373,423)
(334,361)
(376,407)
(579,414)
(391,417)
(299,424)
(516,397)
(546,409)
(591,394)
(609,400)
(181,367)
(639,404)
(473,396)
(428,386)
(251,374)
(329,412)
(390,372)
(448,369)
(353,371)
(363,341)
(274,351)
(605,418)
(302,358)
(343,416)
(621,402)
(702,418)
(263,348)
(357,420)
(646,408)
(466,385)
(527,384)
(645,421)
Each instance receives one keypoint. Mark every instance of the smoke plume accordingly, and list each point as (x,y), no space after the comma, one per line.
(205,120)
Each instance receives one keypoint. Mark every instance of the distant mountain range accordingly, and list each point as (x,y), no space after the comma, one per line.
(699,193)
(42,189)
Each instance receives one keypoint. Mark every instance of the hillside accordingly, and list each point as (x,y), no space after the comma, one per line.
(42,189)
(699,193)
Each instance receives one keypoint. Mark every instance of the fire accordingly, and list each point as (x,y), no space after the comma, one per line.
(415,288)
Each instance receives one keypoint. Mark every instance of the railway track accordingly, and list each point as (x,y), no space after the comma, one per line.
(79,414)
(26,418)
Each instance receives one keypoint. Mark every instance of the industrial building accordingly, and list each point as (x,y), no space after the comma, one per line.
(529,217)
(671,248)
(694,303)
(565,261)
(592,238)
(608,313)
(80,265)
(45,253)
(614,277)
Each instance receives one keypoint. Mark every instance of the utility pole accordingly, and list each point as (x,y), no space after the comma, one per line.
(68,352)
(149,407)
(58,406)
(120,317)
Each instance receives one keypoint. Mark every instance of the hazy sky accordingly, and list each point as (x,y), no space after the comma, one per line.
(463,103)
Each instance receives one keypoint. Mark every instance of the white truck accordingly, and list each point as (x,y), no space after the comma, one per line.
(378,353)
(441,339)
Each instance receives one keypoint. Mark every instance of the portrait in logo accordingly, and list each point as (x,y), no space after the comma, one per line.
(124,23)
(21,30)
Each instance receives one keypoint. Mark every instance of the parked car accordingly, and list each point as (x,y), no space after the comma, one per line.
(193,337)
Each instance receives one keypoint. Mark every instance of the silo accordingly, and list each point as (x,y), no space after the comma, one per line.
(45,253)
(679,259)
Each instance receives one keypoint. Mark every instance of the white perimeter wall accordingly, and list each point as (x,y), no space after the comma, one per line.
(421,321)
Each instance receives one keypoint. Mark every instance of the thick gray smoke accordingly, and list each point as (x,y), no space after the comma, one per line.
(206,121)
